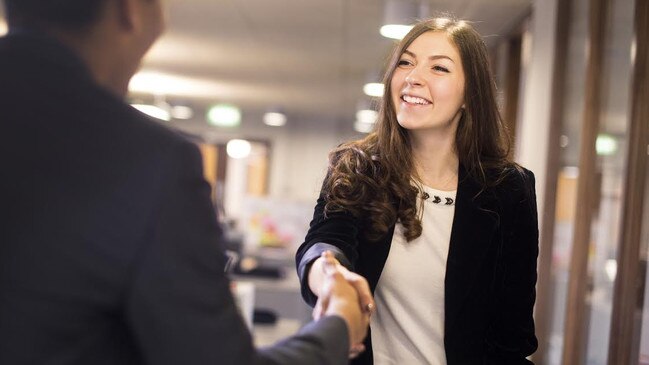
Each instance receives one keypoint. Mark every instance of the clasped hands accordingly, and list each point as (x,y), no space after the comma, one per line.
(343,293)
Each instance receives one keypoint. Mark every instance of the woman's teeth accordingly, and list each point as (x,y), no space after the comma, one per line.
(415,100)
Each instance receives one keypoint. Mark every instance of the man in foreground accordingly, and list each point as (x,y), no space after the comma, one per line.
(110,251)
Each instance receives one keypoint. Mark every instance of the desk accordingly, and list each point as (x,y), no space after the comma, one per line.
(282,296)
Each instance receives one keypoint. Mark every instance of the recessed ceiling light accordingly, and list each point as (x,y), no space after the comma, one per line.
(224,115)
(368,116)
(395,31)
(399,16)
(182,112)
(363,127)
(238,148)
(375,89)
(153,82)
(275,119)
(153,111)
(606,145)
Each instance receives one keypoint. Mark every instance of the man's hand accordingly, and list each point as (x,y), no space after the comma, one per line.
(338,296)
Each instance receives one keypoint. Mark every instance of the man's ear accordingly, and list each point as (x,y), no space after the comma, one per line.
(128,14)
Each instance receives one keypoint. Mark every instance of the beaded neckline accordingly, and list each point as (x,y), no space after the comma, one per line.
(437,199)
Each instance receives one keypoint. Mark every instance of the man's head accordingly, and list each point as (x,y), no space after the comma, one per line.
(111,36)
(62,14)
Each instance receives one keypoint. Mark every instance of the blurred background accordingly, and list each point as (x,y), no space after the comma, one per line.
(266,88)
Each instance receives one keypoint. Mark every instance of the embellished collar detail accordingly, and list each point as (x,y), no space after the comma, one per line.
(438,197)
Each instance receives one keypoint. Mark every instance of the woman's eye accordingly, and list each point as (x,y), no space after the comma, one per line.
(404,63)
(440,68)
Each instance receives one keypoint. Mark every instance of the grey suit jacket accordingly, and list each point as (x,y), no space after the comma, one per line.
(110,252)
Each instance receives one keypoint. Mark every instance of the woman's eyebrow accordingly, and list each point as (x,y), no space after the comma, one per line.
(432,58)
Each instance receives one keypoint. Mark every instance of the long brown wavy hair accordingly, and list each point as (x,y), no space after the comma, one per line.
(372,178)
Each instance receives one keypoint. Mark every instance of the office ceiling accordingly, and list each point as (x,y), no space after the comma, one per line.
(309,58)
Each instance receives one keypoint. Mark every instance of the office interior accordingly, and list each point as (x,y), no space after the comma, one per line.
(266,88)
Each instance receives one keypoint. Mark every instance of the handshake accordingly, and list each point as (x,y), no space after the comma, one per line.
(343,293)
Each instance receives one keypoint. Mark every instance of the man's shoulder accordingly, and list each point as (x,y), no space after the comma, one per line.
(118,123)
(147,130)
(139,133)
(60,93)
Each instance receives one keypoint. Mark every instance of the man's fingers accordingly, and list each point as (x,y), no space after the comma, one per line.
(330,263)
(324,300)
(363,290)
(356,350)
(317,311)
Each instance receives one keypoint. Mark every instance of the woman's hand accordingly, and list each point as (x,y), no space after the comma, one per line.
(316,278)
(327,265)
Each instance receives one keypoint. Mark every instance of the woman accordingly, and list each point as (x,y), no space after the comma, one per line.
(430,210)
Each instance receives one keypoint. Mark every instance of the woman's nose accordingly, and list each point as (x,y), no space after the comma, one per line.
(413,78)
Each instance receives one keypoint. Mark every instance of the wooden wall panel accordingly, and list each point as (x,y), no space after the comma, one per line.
(629,283)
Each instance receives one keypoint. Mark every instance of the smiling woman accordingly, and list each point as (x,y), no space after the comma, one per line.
(429,209)
(428,84)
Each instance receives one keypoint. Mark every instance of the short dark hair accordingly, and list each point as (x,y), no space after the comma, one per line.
(63,14)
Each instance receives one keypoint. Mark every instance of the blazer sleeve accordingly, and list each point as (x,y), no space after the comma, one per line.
(511,337)
(178,303)
(337,232)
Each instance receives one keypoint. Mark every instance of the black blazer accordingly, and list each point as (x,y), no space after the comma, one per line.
(490,275)
(110,251)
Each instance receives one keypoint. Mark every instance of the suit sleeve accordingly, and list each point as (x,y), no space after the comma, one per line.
(511,338)
(336,232)
(178,303)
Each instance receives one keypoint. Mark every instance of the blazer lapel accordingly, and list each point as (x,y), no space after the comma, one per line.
(474,224)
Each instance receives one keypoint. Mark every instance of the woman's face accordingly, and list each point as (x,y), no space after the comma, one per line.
(428,84)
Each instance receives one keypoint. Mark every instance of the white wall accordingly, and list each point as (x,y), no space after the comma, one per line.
(298,158)
(299,161)
(536,96)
